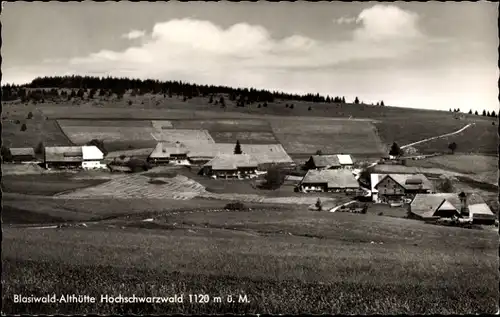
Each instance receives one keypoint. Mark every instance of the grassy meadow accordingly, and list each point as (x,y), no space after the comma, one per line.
(295,261)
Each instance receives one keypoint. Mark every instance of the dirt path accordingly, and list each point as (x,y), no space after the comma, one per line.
(439,136)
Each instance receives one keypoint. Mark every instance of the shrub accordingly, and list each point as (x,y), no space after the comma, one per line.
(310,108)
(380,213)
(319,205)
(24,127)
(6,155)
(137,165)
(18,122)
(30,115)
(236,206)
(157,182)
(274,178)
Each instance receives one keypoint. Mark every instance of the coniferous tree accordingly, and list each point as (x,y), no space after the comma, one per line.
(493,114)
(237,148)
(476,113)
(484,113)
(395,150)
(356,101)
(382,103)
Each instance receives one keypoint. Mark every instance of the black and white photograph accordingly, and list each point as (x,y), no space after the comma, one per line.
(205,157)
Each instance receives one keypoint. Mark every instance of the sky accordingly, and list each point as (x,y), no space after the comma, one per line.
(430,55)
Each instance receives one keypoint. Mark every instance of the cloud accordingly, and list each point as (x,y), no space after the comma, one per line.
(345,20)
(134,34)
(199,47)
(387,22)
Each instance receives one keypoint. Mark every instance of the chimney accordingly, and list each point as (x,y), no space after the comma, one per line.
(463,203)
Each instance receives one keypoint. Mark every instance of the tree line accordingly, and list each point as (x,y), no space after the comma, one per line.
(485,113)
(42,88)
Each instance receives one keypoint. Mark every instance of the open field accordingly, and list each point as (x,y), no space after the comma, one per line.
(244,137)
(106,123)
(46,184)
(461,163)
(38,128)
(224,125)
(294,263)
(300,136)
(479,138)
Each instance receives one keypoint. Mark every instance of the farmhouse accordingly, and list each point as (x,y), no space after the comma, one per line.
(231,166)
(169,153)
(448,205)
(388,188)
(263,153)
(335,161)
(337,180)
(92,157)
(63,156)
(24,154)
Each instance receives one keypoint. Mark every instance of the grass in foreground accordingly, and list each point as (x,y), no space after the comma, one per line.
(441,296)
(326,265)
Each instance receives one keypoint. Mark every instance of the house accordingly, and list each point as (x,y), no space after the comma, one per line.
(329,180)
(434,206)
(263,153)
(387,188)
(481,214)
(169,153)
(63,156)
(231,166)
(335,161)
(448,205)
(92,157)
(22,154)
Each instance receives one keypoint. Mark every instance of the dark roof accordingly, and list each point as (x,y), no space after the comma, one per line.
(340,178)
(232,162)
(321,161)
(409,181)
(425,205)
(63,154)
(22,151)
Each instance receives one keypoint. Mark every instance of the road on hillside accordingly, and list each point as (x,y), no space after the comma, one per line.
(439,136)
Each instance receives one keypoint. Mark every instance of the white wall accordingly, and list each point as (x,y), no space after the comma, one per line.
(92,165)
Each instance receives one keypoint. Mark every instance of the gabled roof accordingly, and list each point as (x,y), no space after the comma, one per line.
(407,181)
(18,151)
(446,205)
(232,162)
(345,159)
(321,161)
(91,152)
(263,153)
(425,205)
(165,149)
(339,178)
(481,210)
(63,154)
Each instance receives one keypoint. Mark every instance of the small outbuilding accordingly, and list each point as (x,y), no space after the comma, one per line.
(335,161)
(22,154)
(169,153)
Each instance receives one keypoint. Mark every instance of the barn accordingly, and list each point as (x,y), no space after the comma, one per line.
(92,157)
(334,161)
(336,180)
(447,205)
(22,154)
(387,188)
(231,166)
(63,156)
(169,153)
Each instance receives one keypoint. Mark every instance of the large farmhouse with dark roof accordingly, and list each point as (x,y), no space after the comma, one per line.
(336,180)
(231,166)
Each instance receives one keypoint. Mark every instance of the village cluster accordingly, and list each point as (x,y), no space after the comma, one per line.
(324,174)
